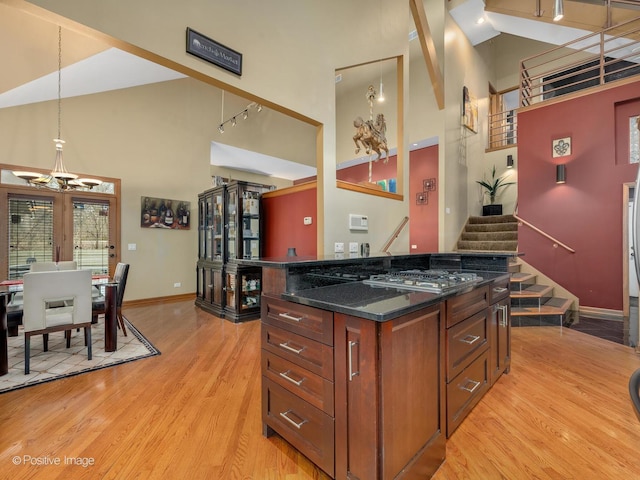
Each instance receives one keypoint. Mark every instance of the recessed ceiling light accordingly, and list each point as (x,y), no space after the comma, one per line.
(480,21)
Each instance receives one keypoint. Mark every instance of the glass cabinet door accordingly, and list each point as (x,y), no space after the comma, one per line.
(251,225)
(232,214)
(218,225)
(202,230)
(250,288)
(208,211)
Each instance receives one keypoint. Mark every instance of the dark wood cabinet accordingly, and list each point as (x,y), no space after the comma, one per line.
(390,394)
(366,399)
(298,378)
(229,228)
(500,330)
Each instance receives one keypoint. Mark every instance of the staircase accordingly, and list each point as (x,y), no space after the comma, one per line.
(532,304)
(493,233)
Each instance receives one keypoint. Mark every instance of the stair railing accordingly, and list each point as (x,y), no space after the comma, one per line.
(556,242)
(395,234)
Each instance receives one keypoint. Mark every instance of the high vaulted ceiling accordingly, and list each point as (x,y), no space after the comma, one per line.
(533,19)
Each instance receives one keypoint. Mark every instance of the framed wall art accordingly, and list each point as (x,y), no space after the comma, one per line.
(165,213)
(469,110)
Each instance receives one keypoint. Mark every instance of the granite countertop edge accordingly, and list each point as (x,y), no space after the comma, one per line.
(315,297)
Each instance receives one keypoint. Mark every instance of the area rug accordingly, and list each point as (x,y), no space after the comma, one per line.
(60,362)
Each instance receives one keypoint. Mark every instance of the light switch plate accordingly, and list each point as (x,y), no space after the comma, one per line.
(353,247)
(339,247)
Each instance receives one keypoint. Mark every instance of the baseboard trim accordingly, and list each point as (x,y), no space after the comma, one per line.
(150,301)
(605,313)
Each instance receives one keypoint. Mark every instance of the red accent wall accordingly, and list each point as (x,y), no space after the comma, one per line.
(423,219)
(586,212)
(283,225)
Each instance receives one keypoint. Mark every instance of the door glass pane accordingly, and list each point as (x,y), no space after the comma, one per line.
(218,222)
(30,234)
(232,214)
(91,236)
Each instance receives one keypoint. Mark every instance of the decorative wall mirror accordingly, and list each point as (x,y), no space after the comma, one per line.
(369,123)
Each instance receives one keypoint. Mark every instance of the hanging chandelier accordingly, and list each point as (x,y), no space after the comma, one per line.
(59,178)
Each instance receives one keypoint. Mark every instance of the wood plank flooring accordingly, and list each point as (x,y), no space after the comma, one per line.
(194,412)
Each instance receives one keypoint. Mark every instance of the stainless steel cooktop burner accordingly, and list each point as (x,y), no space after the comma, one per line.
(435,281)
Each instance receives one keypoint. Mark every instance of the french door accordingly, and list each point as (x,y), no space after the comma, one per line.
(54,226)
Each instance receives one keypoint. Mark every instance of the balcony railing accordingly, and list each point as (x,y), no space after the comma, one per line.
(590,61)
(503,130)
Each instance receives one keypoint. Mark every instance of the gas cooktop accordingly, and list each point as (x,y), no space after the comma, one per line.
(435,281)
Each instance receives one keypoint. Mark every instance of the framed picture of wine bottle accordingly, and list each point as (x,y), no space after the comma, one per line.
(165,213)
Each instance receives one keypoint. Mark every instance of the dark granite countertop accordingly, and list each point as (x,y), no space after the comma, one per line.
(377,303)
(338,258)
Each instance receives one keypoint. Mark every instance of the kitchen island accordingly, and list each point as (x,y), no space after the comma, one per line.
(368,381)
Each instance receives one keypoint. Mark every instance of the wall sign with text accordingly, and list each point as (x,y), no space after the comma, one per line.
(213,52)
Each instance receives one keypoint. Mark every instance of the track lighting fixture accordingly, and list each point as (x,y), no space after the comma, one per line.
(558,10)
(233,120)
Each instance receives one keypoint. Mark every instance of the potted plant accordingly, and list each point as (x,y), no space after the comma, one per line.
(492,187)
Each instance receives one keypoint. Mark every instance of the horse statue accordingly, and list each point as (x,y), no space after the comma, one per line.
(371,136)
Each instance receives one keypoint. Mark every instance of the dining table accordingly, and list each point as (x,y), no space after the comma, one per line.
(104,302)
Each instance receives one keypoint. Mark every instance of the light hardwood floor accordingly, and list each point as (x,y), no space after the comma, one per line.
(194,412)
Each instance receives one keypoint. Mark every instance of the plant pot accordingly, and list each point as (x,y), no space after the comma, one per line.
(493,209)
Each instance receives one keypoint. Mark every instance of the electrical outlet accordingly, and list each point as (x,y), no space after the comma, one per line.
(353,247)
(339,247)
(177,285)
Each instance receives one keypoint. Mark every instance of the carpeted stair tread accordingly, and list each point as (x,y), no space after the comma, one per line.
(480,236)
(493,219)
(491,233)
(489,246)
(491,227)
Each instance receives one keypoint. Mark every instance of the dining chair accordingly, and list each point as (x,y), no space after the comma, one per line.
(53,302)
(53,266)
(119,277)
(634,391)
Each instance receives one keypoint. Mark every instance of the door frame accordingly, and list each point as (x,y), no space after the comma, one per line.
(63,208)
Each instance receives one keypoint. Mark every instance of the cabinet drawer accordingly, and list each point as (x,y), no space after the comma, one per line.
(498,290)
(310,387)
(306,321)
(466,390)
(465,340)
(308,429)
(309,354)
(467,304)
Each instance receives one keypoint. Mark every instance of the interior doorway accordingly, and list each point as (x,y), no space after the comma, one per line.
(630,290)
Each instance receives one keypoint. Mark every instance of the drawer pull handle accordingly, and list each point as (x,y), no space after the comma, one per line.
(466,386)
(286,346)
(292,422)
(286,376)
(505,316)
(351,371)
(499,289)
(470,339)
(291,317)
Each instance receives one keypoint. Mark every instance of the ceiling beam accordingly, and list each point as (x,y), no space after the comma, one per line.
(428,50)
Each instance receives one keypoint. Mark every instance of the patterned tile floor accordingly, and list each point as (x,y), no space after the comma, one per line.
(623,331)
(60,361)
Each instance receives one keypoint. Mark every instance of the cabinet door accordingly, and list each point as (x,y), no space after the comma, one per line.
(500,359)
(356,394)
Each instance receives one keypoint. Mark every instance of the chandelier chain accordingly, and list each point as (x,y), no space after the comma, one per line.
(59,78)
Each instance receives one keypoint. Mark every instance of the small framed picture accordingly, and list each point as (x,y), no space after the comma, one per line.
(562,147)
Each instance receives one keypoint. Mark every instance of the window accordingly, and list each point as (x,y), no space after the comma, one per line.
(503,118)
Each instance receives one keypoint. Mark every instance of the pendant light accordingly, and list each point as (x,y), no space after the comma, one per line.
(59,177)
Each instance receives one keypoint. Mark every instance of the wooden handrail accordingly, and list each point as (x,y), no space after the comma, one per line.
(555,241)
(395,234)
